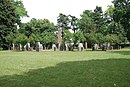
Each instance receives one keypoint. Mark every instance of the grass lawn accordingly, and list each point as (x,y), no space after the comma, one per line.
(65,69)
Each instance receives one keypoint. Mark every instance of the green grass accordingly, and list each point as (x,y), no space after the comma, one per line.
(65,69)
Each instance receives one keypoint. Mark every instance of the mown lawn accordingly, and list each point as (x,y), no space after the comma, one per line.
(65,69)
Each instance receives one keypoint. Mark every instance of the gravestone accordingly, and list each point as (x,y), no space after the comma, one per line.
(108,46)
(39,47)
(104,47)
(80,47)
(71,46)
(13,46)
(119,47)
(62,47)
(54,48)
(86,45)
(66,47)
(59,46)
(111,47)
(95,47)
(20,47)
(28,48)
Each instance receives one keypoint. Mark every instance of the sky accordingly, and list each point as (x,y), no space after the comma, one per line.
(50,9)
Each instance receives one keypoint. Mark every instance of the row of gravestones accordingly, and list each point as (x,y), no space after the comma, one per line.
(104,47)
(68,47)
(39,47)
(26,47)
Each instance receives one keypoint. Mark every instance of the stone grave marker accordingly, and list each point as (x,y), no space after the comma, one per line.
(54,48)
(28,48)
(80,47)
(39,46)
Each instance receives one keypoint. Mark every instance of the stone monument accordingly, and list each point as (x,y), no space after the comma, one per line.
(80,47)
(28,48)
(54,48)
(39,46)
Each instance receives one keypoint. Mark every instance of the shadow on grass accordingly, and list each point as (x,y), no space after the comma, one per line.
(121,52)
(93,73)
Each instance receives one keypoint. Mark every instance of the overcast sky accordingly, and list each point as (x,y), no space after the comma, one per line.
(50,9)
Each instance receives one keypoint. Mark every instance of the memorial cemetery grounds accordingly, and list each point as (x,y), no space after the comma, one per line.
(90,51)
(65,68)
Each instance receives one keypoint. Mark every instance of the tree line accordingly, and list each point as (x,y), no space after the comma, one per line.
(93,27)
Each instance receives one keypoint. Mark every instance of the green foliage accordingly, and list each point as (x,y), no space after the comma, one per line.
(48,37)
(114,38)
(33,38)
(73,23)
(63,21)
(86,22)
(122,13)
(10,13)
(10,38)
(100,38)
(39,30)
(91,24)
(110,10)
(92,38)
(78,37)
(37,26)
(19,10)
(67,36)
(73,37)
(21,39)
(7,21)
(98,16)
(99,27)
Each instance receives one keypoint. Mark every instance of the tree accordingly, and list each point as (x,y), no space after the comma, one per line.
(87,26)
(115,28)
(7,21)
(39,30)
(99,20)
(37,26)
(46,26)
(122,14)
(10,13)
(73,23)
(63,22)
